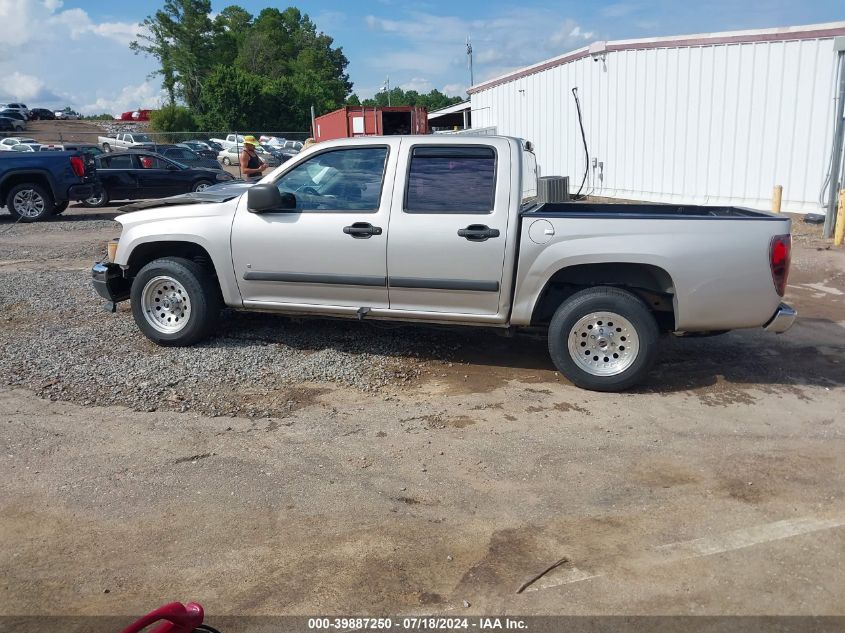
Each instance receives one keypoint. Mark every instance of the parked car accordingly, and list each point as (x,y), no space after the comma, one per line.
(448,230)
(231,140)
(42,114)
(67,115)
(36,185)
(6,125)
(26,147)
(187,156)
(217,147)
(203,149)
(278,153)
(122,141)
(18,118)
(231,156)
(8,143)
(20,108)
(133,175)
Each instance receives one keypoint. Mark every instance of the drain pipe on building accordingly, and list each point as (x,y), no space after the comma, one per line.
(837,168)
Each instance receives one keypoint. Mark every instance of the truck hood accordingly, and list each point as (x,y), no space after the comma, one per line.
(178,209)
(216,193)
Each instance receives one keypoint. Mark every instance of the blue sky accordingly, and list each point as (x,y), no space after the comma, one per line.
(75,52)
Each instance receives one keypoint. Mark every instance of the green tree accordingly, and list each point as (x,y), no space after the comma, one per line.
(172,118)
(238,70)
(181,36)
(433,100)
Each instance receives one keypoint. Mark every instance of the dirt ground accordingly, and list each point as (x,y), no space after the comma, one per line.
(718,487)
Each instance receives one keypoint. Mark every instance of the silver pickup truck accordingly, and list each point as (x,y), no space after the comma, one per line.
(125,141)
(447,229)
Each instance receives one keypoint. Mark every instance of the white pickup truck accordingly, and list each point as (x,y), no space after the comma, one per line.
(448,230)
(125,141)
(231,140)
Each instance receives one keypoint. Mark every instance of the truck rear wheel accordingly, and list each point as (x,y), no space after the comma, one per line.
(174,302)
(29,202)
(603,339)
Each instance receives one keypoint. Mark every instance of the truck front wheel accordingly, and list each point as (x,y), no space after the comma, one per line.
(174,302)
(603,339)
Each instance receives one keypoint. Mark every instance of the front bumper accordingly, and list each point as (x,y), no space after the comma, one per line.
(110,283)
(782,320)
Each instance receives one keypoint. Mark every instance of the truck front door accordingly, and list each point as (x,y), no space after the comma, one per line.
(331,249)
(448,228)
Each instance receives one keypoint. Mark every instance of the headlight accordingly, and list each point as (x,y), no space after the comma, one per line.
(112,249)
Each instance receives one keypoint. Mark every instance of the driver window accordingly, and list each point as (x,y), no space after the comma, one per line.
(338,180)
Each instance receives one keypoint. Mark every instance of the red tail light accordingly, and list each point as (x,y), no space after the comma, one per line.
(780,251)
(78,166)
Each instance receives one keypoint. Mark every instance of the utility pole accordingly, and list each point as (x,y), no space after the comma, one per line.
(469,61)
(386,88)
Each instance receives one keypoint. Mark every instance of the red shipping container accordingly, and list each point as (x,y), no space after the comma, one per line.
(350,121)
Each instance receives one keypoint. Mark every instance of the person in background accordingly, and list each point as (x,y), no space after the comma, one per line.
(251,165)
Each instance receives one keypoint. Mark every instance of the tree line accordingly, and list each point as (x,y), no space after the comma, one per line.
(238,71)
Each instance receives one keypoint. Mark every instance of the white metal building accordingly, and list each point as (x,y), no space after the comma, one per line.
(717,118)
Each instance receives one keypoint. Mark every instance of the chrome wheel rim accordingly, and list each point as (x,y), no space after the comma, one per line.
(29,203)
(166,304)
(603,343)
(202,186)
(95,200)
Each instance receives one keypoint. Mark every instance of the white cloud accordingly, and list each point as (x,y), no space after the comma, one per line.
(146,95)
(22,87)
(55,56)
(434,45)
(27,21)
(455,90)
(419,84)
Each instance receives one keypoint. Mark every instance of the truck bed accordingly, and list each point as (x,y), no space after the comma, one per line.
(643,210)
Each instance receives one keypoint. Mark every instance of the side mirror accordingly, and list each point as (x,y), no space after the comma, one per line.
(267,197)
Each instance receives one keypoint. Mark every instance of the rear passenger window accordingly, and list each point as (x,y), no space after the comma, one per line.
(117,162)
(451,180)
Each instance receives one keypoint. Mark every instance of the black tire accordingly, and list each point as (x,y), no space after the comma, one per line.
(40,197)
(595,300)
(106,147)
(96,202)
(203,298)
(60,207)
(226,161)
(201,184)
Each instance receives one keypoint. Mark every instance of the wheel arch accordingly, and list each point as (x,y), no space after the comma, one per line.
(652,284)
(35,176)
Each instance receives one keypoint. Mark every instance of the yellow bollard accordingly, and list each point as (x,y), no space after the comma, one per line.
(839,230)
(777,196)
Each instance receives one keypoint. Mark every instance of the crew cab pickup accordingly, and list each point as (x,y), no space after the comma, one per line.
(448,230)
(125,141)
(231,140)
(36,185)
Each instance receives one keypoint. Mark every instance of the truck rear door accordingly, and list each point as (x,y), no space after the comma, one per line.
(448,226)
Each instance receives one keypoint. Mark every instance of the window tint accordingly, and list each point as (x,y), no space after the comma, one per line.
(451,180)
(339,180)
(117,162)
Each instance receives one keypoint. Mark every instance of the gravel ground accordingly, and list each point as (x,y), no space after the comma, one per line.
(59,351)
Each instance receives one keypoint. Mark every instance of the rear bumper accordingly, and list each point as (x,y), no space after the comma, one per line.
(81,192)
(110,283)
(782,320)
